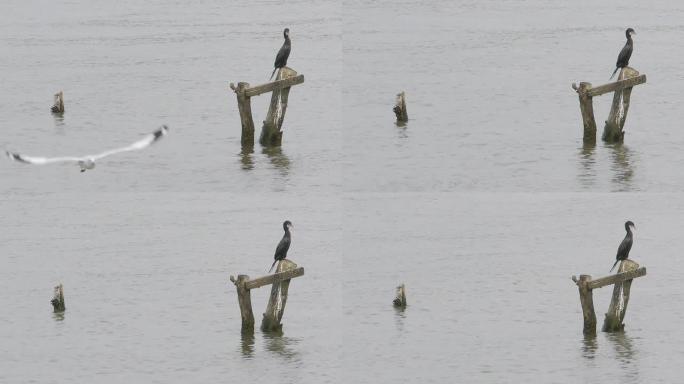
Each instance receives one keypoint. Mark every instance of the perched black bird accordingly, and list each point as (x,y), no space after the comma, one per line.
(283,246)
(625,246)
(283,54)
(626,53)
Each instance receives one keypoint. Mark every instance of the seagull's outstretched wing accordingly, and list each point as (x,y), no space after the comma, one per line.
(41,160)
(140,144)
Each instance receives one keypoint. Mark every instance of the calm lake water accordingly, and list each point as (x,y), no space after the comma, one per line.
(490,103)
(484,204)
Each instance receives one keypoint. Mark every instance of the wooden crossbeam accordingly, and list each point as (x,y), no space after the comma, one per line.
(274,278)
(275,85)
(617,278)
(616,86)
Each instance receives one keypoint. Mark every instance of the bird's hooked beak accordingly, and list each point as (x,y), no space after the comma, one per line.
(632,33)
(290,227)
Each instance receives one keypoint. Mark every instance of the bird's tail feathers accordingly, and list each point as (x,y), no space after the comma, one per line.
(616,261)
(614,72)
(273,73)
(272,265)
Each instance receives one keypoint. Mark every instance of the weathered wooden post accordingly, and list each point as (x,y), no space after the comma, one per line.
(245,302)
(618,306)
(271,132)
(276,304)
(245,109)
(58,106)
(618,303)
(622,88)
(280,280)
(400,299)
(587,110)
(587,302)
(400,108)
(58,299)
(613,130)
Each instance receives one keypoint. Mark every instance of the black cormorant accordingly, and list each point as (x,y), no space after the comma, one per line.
(284,53)
(626,53)
(283,246)
(625,246)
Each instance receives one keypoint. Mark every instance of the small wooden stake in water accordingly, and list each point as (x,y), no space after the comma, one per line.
(400,108)
(58,106)
(58,300)
(400,299)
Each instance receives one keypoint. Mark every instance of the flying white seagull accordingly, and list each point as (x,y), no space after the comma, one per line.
(88,162)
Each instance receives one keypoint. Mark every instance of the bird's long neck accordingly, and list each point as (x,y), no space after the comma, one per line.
(629,230)
(287,41)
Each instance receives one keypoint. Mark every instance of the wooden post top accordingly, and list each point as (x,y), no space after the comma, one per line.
(241,86)
(630,77)
(288,76)
(289,270)
(628,270)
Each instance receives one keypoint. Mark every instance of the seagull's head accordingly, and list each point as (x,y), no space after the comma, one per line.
(287,225)
(630,32)
(86,164)
(286,33)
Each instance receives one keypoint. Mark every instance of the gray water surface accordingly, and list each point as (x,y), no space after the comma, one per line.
(145,243)
(490,103)
(490,298)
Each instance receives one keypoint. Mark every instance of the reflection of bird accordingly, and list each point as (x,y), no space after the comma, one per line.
(625,246)
(88,162)
(283,54)
(283,246)
(626,53)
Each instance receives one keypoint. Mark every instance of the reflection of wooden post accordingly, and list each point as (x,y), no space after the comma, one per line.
(271,132)
(245,302)
(618,303)
(58,300)
(245,108)
(400,299)
(400,108)
(276,304)
(58,106)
